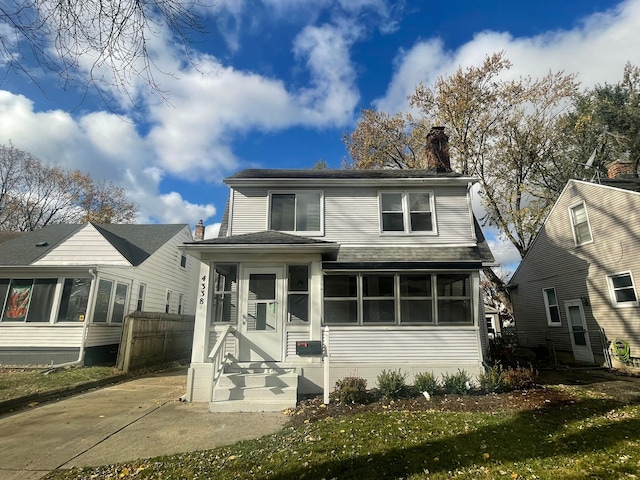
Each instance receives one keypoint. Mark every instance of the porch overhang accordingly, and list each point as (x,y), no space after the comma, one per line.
(264,243)
(395,266)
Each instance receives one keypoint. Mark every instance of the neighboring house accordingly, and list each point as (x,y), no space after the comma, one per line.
(384,263)
(65,289)
(492,317)
(575,291)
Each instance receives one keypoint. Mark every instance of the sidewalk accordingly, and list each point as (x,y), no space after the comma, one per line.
(136,419)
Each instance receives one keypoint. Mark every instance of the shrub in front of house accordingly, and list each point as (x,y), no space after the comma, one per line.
(491,380)
(350,390)
(426,382)
(519,378)
(458,383)
(392,383)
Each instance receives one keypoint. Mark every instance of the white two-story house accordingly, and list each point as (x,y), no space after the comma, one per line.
(377,269)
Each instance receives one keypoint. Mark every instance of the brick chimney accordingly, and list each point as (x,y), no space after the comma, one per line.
(438,150)
(199,233)
(622,169)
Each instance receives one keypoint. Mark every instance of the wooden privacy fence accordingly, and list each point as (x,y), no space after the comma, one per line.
(150,338)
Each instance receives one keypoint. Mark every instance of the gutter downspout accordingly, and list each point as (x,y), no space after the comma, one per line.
(85,327)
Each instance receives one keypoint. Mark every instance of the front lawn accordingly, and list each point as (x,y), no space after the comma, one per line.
(569,435)
(17,382)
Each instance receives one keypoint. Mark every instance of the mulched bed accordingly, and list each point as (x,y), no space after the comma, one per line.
(313,409)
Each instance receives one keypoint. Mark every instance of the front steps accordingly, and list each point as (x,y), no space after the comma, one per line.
(255,387)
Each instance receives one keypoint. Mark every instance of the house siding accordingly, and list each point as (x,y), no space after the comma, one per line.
(161,272)
(87,247)
(580,272)
(348,225)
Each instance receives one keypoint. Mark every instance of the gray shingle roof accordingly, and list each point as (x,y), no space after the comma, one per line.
(268,237)
(135,242)
(339,174)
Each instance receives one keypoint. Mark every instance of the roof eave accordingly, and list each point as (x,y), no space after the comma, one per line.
(325,182)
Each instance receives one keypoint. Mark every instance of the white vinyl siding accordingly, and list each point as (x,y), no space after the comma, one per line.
(39,335)
(399,345)
(86,247)
(161,271)
(352,216)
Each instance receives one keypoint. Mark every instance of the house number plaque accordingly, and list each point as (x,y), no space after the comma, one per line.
(203,289)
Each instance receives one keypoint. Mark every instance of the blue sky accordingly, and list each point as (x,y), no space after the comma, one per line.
(275,83)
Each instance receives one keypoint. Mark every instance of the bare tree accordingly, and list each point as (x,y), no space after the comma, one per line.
(93,43)
(35,194)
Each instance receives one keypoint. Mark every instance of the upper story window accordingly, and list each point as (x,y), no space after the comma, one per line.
(551,306)
(623,291)
(407,212)
(296,212)
(580,224)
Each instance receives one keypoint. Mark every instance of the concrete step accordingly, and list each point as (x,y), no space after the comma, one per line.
(250,406)
(244,391)
(256,393)
(251,380)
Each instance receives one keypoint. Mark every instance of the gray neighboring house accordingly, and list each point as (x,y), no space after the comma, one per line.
(381,267)
(575,291)
(65,289)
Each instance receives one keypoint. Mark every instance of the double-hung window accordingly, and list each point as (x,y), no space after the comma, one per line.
(622,289)
(407,212)
(296,212)
(551,306)
(580,224)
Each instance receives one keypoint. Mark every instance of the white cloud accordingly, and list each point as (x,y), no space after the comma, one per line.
(102,144)
(597,50)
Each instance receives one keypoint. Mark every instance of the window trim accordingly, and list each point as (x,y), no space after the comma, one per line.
(547,307)
(573,224)
(612,290)
(406,214)
(310,233)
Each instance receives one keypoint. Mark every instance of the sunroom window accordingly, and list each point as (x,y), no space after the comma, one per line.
(298,293)
(225,293)
(369,298)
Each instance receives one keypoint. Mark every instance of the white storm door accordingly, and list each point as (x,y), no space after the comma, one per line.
(261,316)
(578,331)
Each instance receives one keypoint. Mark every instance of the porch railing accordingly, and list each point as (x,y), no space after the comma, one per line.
(218,355)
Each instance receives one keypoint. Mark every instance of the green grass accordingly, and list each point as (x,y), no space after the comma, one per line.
(592,438)
(16,382)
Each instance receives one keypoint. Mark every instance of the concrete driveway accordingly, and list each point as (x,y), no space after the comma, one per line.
(139,418)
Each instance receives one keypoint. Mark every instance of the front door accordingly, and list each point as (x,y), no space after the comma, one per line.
(578,330)
(261,315)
